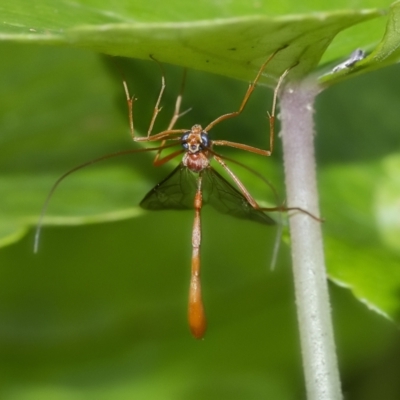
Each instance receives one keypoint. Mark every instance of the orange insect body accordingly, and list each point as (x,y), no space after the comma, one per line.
(196,176)
(194,182)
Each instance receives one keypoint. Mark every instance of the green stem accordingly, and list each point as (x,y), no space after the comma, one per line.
(312,297)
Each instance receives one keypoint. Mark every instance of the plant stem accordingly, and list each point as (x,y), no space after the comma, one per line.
(312,298)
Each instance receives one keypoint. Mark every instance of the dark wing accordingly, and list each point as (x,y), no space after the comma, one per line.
(178,189)
(175,192)
(218,192)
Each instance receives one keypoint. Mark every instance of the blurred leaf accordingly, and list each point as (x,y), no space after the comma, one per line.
(388,202)
(358,187)
(357,257)
(47,132)
(100,313)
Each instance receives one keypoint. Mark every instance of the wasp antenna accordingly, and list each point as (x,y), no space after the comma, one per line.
(50,194)
(46,203)
(86,164)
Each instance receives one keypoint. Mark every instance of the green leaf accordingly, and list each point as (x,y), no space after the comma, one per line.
(386,53)
(358,255)
(358,148)
(231,40)
(387,202)
(206,46)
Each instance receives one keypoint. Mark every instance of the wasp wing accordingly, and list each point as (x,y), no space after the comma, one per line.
(175,192)
(219,193)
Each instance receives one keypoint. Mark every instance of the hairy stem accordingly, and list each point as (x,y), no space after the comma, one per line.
(312,298)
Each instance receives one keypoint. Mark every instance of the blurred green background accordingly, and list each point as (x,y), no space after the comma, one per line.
(100,312)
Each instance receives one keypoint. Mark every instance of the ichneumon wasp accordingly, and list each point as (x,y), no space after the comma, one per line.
(194,182)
